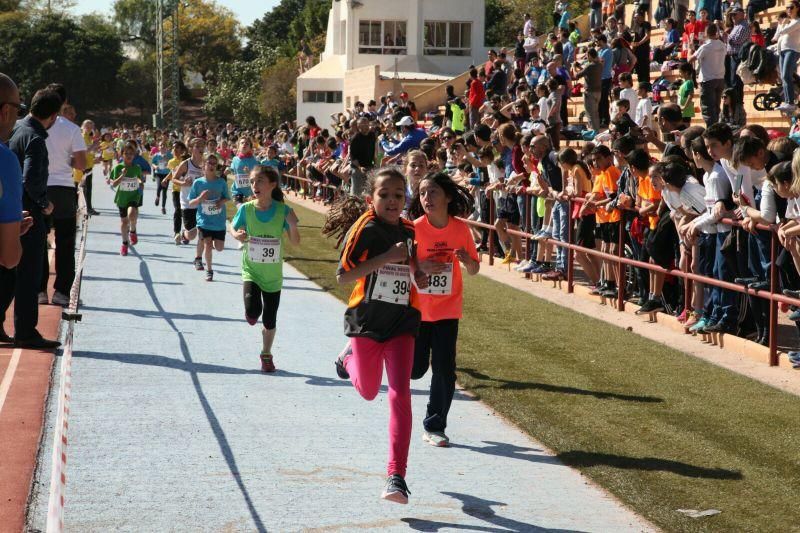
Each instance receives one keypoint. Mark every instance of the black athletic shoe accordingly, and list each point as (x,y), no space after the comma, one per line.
(745,281)
(791,293)
(37,342)
(651,306)
(396,489)
(341,371)
(719,327)
(198,264)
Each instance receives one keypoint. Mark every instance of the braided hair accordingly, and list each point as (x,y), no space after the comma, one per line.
(345,211)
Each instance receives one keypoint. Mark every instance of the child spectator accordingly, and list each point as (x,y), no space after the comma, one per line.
(644,109)
(732,113)
(686,92)
(628,92)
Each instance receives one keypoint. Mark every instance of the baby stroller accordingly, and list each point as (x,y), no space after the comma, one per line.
(771,99)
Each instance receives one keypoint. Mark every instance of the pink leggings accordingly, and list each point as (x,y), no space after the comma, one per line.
(365,366)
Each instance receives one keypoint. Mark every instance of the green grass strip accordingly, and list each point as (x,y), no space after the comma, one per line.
(659,429)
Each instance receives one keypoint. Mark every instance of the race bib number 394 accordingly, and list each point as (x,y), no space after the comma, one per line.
(441,283)
(264,249)
(393,284)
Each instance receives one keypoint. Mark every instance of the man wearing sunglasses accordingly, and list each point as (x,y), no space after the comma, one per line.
(28,143)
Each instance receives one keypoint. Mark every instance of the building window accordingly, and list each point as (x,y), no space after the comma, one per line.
(448,38)
(382,37)
(322,97)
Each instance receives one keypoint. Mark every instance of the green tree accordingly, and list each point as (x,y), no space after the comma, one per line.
(209,34)
(136,20)
(235,93)
(288,22)
(279,91)
(137,86)
(83,55)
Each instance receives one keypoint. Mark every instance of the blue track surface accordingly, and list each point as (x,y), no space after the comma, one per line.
(173,427)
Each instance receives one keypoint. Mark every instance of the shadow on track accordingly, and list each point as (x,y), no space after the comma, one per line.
(482,510)
(213,421)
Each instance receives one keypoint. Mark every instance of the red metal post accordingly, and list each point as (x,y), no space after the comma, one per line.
(622,268)
(570,251)
(491,221)
(773,305)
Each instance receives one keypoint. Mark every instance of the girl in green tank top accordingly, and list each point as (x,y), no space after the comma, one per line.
(260,225)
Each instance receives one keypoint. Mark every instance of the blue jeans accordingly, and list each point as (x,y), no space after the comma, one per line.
(788,63)
(726,310)
(559,223)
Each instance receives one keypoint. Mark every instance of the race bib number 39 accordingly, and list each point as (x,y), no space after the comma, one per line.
(211,208)
(264,250)
(129,185)
(441,283)
(393,284)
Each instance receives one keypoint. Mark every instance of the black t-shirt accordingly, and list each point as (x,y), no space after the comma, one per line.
(366,316)
(362,149)
(643,29)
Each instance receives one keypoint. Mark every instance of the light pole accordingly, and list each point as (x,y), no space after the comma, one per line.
(167,68)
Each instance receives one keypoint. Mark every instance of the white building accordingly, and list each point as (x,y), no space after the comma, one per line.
(374,46)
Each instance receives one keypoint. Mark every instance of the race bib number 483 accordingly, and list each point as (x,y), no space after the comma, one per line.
(441,283)
(393,284)
(264,250)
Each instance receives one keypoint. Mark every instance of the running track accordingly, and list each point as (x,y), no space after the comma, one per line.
(173,427)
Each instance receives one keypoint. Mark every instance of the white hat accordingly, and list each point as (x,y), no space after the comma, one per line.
(405,121)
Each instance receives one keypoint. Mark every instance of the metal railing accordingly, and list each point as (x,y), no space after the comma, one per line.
(300,185)
(624,263)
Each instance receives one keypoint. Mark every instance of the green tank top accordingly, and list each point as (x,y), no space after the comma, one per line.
(458,117)
(262,256)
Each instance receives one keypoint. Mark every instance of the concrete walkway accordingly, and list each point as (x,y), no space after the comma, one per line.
(174,428)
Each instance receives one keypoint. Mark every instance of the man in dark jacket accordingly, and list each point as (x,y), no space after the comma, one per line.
(28,144)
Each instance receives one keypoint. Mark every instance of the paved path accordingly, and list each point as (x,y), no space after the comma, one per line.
(174,428)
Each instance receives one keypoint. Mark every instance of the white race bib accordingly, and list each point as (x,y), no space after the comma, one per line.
(211,208)
(129,185)
(393,284)
(242,181)
(441,283)
(264,250)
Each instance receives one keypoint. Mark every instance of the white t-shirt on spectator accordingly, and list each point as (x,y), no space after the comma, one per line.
(792,209)
(644,113)
(711,61)
(630,95)
(746,183)
(63,139)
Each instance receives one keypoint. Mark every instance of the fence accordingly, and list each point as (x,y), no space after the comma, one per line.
(58,478)
(622,262)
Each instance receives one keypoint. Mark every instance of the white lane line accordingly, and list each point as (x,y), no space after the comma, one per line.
(9,376)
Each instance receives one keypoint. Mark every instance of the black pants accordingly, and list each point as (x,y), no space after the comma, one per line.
(604,107)
(161,191)
(177,215)
(63,222)
(436,346)
(21,284)
(87,188)
(258,303)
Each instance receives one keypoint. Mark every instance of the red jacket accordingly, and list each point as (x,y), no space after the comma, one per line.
(477,95)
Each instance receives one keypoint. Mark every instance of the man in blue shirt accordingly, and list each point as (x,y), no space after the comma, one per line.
(606,55)
(27,142)
(10,181)
(412,137)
